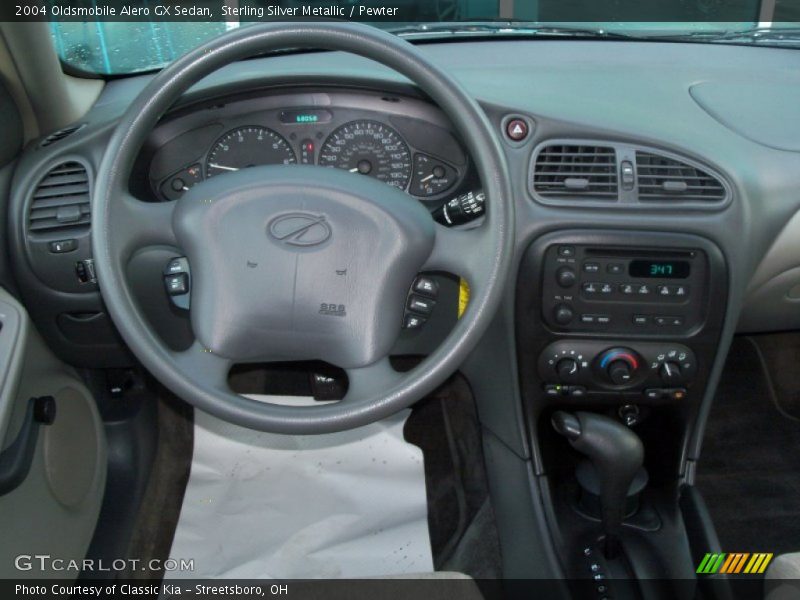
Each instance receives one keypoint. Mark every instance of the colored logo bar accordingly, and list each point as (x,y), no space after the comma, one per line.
(734,563)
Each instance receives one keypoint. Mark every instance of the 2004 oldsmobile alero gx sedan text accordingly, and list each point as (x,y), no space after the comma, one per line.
(488,299)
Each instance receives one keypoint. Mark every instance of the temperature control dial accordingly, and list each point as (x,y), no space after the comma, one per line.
(619,365)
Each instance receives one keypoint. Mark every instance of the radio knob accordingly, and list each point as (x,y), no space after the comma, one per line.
(671,373)
(567,369)
(563,314)
(565,277)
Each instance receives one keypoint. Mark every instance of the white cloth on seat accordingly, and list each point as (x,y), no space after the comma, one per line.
(342,505)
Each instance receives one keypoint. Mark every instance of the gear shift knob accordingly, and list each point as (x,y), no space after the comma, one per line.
(617,454)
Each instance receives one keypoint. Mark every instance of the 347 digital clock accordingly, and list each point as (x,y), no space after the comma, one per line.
(659,269)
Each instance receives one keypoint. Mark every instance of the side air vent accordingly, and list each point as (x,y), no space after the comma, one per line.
(61,199)
(576,171)
(665,179)
(60,135)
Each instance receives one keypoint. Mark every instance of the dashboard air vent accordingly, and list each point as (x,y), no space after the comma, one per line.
(59,135)
(577,171)
(61,199)
(661,178)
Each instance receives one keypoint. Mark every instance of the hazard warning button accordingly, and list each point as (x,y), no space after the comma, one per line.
(517,130)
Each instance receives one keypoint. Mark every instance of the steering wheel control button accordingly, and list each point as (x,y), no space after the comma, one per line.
(177,284)
(63,246)
(177,281)
(413,321)
(426,286)
(517,129)
(421,304)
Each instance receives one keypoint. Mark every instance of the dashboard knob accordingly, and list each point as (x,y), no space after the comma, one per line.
(563,314)
(565,277)
(567,369)
(619,372)
(619,365)
(671,373)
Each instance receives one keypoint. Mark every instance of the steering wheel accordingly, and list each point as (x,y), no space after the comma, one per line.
(271,248)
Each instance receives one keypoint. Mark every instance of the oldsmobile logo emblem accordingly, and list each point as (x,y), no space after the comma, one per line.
(299,229)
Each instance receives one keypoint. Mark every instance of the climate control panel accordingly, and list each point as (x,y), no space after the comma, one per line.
(652,370)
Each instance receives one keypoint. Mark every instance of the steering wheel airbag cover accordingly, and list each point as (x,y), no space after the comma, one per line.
(290,266)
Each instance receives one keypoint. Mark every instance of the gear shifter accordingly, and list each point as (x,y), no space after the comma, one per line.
(617,454)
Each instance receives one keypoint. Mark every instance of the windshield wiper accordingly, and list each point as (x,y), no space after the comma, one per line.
(500,29)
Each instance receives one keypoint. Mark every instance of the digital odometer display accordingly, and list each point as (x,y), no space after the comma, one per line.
(659,269)
(369,148)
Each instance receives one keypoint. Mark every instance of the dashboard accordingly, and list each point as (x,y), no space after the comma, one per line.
(402,141)
(656,191)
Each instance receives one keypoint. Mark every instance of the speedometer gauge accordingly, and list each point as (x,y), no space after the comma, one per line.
(248,147)
(369,148)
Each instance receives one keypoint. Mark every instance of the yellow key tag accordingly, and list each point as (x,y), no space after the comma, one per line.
(463,296)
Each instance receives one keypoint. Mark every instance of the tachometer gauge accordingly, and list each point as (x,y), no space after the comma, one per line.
(248,147)
(369,148)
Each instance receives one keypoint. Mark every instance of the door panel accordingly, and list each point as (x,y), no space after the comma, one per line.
(54,510)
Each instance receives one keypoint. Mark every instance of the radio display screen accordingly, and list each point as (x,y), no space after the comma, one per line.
(659,269)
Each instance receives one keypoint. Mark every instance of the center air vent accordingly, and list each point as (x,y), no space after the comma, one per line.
(61,200)
(576,171)
(664,179)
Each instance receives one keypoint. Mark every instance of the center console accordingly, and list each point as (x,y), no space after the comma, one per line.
(617,332)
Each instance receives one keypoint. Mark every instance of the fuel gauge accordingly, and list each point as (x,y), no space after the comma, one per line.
(181,182)
(431,176)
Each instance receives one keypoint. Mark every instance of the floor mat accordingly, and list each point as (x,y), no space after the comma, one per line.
(749,470)
(258,505)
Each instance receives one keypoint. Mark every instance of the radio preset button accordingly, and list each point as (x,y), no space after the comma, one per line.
(591,288)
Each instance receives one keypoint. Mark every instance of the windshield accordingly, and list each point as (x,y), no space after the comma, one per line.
(149,35)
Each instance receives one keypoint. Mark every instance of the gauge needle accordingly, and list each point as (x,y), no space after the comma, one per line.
(355,170)
(223,167)
(426,178)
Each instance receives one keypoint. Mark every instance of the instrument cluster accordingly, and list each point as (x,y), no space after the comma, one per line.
(403,142)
